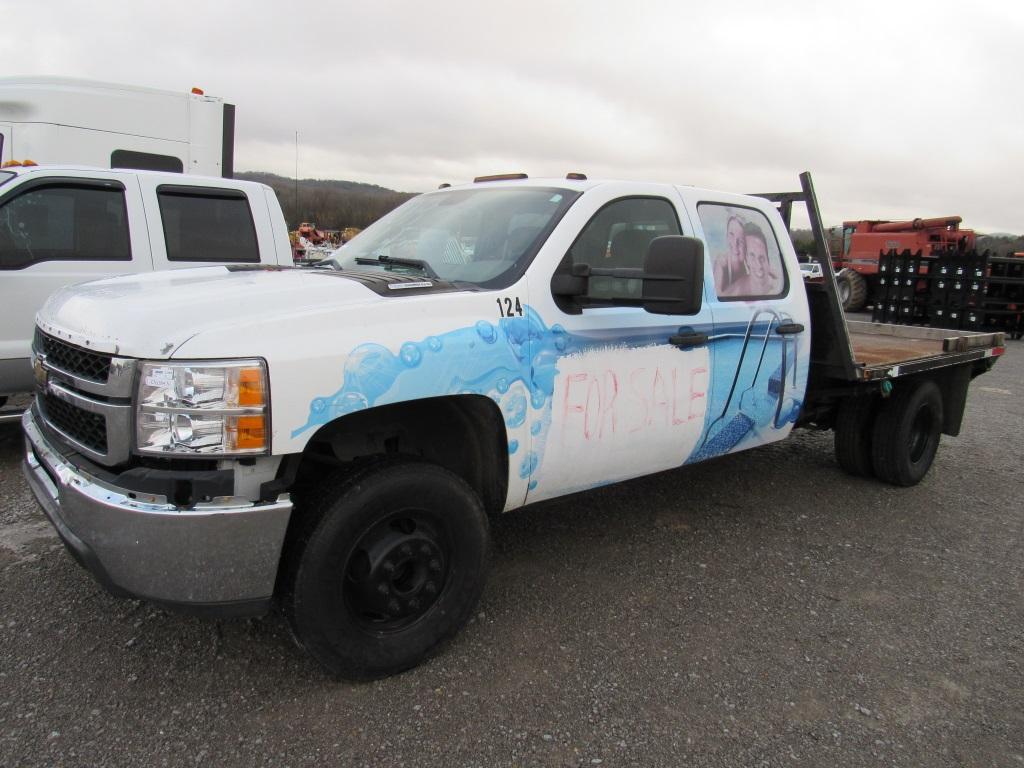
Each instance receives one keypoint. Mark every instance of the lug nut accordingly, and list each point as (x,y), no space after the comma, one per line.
(406,550)
(394,607)
(383,588)
(388,566)
(430,588)
(425,549)
(435,564)
(414,604)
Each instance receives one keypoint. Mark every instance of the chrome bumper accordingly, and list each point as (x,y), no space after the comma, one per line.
(218,558)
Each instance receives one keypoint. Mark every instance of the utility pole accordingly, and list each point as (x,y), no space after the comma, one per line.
(297,215)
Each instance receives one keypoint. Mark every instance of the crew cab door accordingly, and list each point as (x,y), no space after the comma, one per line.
(761,340)
(57,230)
(197,222)
(626,400)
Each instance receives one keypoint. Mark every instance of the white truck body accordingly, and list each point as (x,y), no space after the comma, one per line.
(480,348)
(59,120)
(665,394)
(61,225)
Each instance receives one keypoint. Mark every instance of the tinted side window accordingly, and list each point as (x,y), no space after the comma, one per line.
(62,223)
(745,255)
(145,161)
(212,225)
(618,236)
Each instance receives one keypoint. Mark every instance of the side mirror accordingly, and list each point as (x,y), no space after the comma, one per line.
(673,276)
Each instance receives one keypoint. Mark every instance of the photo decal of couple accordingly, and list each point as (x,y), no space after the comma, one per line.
(746,262)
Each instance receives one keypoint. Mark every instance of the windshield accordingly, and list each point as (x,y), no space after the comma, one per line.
(6,176)
(484,236)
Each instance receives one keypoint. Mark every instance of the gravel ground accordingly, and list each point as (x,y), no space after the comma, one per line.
(761,609)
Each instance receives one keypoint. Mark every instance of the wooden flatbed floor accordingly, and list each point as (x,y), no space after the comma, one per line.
(871,349)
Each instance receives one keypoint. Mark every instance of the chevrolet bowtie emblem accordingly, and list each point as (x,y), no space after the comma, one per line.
(39,372)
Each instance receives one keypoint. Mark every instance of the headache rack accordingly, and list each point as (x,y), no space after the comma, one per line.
(854,351)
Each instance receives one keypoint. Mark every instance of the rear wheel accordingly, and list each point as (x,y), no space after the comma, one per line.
(907,432)
(388,565)
(853,290)
(854,426)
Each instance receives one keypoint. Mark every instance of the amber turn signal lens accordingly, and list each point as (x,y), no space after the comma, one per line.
(250,387)
(250,432)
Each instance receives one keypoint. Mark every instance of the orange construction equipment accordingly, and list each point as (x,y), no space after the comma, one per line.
(862,242)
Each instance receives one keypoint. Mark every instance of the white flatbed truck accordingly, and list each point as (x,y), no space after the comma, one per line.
(333,439)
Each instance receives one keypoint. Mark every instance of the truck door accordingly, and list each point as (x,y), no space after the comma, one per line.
(760,345)
(57,231)
(202,222)
(626,400)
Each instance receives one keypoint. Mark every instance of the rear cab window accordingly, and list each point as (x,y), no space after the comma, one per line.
(745,256)
(206,224)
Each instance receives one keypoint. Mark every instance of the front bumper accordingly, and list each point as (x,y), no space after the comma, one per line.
(218,558)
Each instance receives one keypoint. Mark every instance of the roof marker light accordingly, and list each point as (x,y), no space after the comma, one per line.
(576,176)
(501,177)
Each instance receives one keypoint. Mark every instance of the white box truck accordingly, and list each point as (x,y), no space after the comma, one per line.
(60,120)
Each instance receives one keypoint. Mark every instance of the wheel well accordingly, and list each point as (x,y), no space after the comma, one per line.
(465,434)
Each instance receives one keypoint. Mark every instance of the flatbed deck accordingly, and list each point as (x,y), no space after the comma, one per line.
(882,351)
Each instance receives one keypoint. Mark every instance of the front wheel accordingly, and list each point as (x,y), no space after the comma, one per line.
(907,432)
(389,565)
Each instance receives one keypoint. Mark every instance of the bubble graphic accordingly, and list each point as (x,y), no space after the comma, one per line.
(410,354)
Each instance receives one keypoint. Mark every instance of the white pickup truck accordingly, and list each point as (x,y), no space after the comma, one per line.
(334,438)
(68,224)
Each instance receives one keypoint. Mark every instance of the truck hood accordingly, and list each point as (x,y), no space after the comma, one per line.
(152,314)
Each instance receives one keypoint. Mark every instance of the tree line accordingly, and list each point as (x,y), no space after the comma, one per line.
(335,204)
(329,204)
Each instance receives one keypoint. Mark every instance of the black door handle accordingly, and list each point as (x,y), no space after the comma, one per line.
(788,328)
(687,339)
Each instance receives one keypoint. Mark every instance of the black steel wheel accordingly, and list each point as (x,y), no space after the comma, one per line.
(396,570)
(385,565)
(907,431)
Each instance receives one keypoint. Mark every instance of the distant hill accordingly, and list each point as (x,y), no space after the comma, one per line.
(329,203)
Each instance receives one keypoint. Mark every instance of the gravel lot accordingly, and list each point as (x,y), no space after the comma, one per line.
(762,609)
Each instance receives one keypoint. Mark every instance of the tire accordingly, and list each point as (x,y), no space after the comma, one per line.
(907,432)
(386,564)
(853,290)
(854,426)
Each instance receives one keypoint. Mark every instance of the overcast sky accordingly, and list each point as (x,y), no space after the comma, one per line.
(900,109)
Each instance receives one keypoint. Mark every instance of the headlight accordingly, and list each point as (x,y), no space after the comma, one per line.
(202,408)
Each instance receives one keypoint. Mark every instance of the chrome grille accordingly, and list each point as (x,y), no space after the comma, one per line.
(79,362)
(84,398)
(89,429)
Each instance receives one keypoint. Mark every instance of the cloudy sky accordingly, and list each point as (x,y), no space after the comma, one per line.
(900,109)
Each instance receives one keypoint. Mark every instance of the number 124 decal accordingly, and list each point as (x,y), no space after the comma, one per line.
(508,307)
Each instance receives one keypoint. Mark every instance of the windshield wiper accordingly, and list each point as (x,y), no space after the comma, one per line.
(400,262)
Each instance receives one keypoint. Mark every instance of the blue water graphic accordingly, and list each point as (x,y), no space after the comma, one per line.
(515,363)
(484,359)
